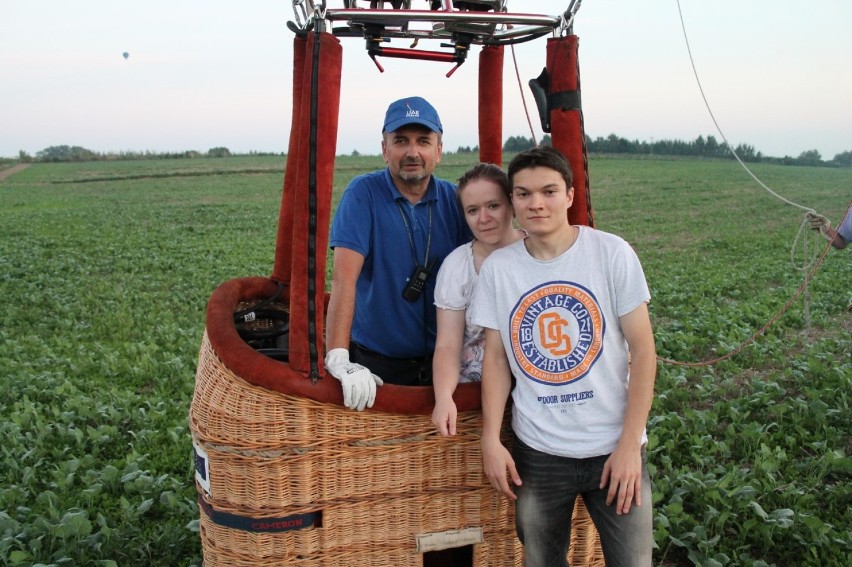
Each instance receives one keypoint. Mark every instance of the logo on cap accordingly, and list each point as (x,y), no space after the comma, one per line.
(412,110)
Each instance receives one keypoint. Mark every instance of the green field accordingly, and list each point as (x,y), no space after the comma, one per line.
(106,267)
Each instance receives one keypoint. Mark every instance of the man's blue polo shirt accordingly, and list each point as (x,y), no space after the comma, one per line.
(369,220)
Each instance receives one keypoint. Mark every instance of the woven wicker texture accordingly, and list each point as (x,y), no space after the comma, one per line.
(376,480)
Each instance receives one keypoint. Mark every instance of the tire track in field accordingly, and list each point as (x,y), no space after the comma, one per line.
(6,173)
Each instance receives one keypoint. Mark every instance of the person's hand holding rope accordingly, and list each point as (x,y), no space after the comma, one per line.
(834,235)
(819,222)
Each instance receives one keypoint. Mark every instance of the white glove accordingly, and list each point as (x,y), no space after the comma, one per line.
(359,384)
(818,222)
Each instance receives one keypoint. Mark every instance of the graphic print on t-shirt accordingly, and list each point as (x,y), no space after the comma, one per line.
(557,333)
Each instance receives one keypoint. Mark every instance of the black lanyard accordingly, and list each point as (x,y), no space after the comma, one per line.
(408,230)
(424,266)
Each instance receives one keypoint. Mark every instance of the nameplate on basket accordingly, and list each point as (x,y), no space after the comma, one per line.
(202,467)
(260,525)
(445,540)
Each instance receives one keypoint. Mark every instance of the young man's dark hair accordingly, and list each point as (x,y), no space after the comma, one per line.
(542,156)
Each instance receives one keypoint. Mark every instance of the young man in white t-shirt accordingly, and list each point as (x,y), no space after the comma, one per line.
(566,315)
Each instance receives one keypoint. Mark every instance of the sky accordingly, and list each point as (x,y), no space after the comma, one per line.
(211,73)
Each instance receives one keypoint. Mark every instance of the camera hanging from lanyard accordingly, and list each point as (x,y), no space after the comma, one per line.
(416,284)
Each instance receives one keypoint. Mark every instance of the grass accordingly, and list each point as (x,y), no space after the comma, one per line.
(106,268)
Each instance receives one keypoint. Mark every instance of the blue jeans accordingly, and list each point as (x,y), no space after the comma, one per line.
(545,502)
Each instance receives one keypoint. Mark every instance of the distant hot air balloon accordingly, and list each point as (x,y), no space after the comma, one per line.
(125,55)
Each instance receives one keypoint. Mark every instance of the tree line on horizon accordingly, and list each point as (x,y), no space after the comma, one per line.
(67,153)
(701,147)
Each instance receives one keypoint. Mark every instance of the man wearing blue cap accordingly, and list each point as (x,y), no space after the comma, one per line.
(390,233)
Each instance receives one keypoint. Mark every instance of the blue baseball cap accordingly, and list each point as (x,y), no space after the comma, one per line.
(412,110)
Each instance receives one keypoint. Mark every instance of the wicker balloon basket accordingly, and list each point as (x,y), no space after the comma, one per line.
(284,480)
